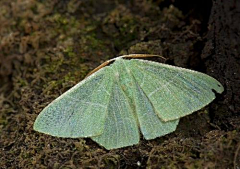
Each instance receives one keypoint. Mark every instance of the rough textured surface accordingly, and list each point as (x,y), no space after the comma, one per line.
(222,55)
(48,46)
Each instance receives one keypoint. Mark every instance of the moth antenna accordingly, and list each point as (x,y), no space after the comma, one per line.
(123,56)
(142,56)
(100,66)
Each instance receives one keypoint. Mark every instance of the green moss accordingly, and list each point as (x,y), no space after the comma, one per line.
(69,52)
(128,27)
(66,41)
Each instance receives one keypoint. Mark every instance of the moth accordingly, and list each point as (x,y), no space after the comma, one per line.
(117,102)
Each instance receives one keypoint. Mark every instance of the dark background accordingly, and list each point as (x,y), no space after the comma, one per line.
(46,47)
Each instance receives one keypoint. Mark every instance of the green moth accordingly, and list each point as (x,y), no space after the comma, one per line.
(116,102)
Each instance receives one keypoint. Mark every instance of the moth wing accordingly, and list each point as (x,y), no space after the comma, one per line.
(79,112)
(174,92)
(151,124)
(121,128)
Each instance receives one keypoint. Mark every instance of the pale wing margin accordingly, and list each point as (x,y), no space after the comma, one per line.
(79,112)
(174,92)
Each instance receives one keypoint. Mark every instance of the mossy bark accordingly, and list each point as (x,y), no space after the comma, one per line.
(48,46)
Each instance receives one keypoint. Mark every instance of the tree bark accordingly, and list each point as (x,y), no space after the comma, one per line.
(222,50)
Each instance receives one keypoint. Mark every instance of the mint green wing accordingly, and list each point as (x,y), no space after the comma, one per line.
(79,112)
(121,128)
(150,124)
(174,92)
